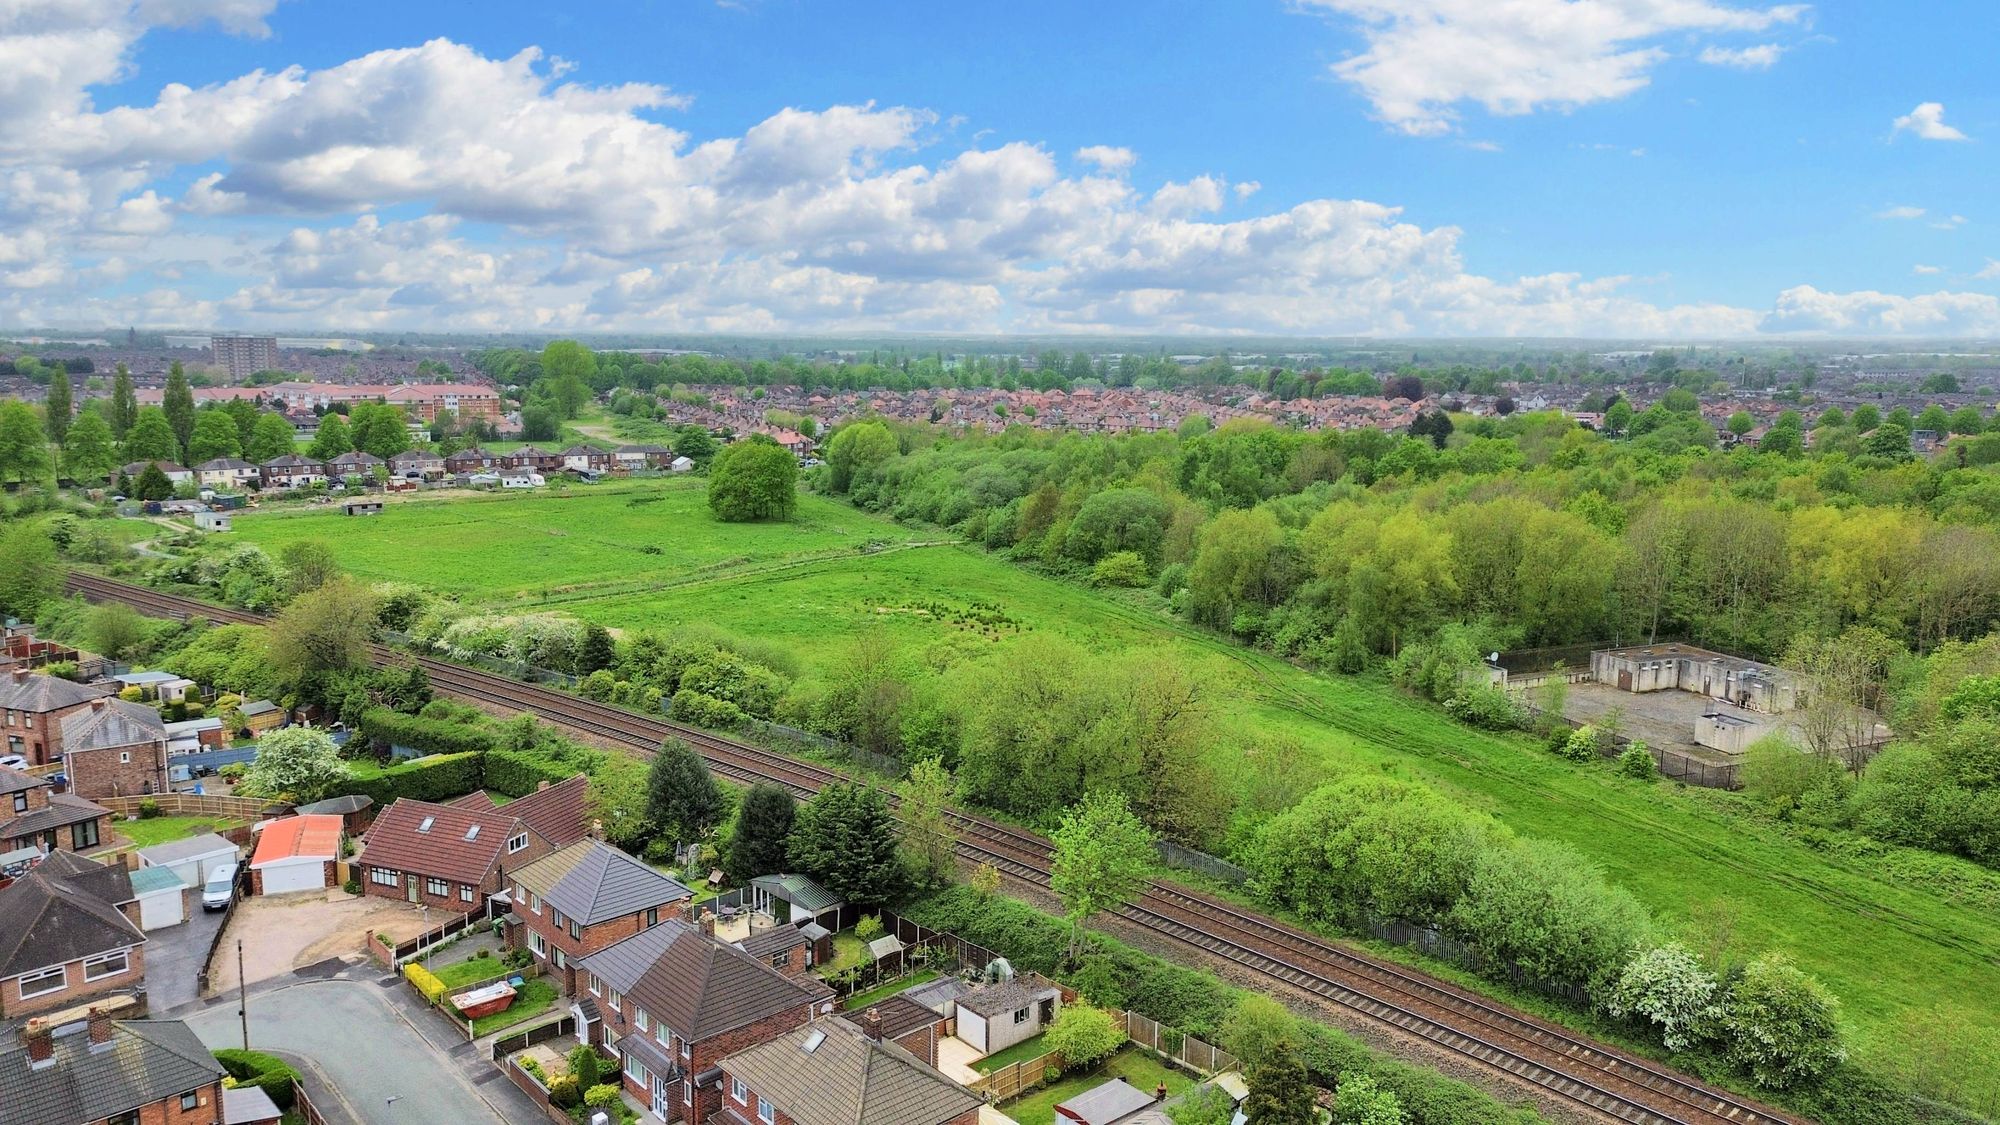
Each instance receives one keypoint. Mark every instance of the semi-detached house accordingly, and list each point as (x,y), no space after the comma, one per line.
(69,933)
(34,815)
(113,748)
(831,1072)
(105,1072)
(457,856)
(31,707)
(584,897)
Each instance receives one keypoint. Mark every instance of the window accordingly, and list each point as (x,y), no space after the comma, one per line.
(781,960)
(641,1020)
(83,834)
(382,876)
(684,1048)
(560,960)
(109,965)
(661,1033)
(765,1112)
(516,843)
(465,893)
(596,986)
(556,917)
(687,1092)
(615,1000)
(1021,1015)
(652,913)
(42,983)
(190,1099)
(437,887)
(124,757)
(537,944)
(129,1117)
(534,902)
(611,1042)
(739,1091)
(21,801)
(575,931)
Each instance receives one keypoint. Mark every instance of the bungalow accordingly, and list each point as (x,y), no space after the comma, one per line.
(292,471)
(226,472)
(586,459)
(834,1073)
(416,464)
(32,707)
(998,1014)
(34,815)
(113,1072)
(113,748)
(296,853)
(455,857)
(68,933)
(176,475)
(355,464)
(581,898)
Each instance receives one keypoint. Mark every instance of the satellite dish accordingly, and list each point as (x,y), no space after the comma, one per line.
(1493,658)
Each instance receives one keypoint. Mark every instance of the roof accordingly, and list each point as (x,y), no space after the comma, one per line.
(108,881)
(48,919)
(148,880)
(357,457)
(900,1015)
(799,890)
(884,946)
(432,839)
(298,837)
(1004,996)
(221,463)
(14,781)
(939,995)
(559,814)
(194,847)
(414,457)
(763,943)
(829,1073)
(247,1105)
(33,691)
(1110,1102)
(130,679)
(116,723)
(146,1061)
(63,809)
(593,882)
(477,799)
(293,461)
(257,707)
(694,984)
(338,806)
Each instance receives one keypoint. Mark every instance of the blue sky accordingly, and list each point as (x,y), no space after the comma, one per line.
(1672,168)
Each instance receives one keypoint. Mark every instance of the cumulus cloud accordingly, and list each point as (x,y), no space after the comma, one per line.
(1805,309)
(1990,271)
(1424,58)
(1927,122)
(1761,57)
(1921,269)
(1110,158)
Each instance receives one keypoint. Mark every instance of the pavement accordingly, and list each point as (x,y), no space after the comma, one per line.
(366,1044)
(283,933)
(174,956)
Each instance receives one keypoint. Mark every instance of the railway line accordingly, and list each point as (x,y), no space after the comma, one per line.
(1592,1078)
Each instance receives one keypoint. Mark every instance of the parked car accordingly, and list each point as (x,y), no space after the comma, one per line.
(220,890)
(14,761)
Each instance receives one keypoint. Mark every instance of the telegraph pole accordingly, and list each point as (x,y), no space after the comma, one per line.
(242,995)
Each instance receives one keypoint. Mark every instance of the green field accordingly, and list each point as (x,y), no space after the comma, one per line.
(1882,944)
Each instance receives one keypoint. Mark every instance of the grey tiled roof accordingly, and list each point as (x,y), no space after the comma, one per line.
(337,806)
(39,693)
(592,882)
(145,1061)
(694,984)
(900,1015)
(117,723)
(108,881)
(846,1078)
(46,919)
(763,943)
(62,810)
(14,781)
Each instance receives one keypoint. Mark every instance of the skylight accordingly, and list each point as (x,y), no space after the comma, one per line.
(472,833)
(426,825)
(813,1041)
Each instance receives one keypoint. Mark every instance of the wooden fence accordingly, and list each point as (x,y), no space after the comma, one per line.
(1016,1078)
(540,1033)
(190,804)
(1186,1050)
(302,1104)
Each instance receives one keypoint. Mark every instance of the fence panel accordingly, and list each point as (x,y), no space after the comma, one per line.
(1188,859)
(540,1033)
(190,804)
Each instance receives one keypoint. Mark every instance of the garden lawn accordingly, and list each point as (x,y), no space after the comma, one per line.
(1033,1047)
(532,999)
(458,974)
(860,1000)
(1141,1068)
(848,951)
(165,829)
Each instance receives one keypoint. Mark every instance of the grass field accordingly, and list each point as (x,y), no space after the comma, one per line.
(1882,943)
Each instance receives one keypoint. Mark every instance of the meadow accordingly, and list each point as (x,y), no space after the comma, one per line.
(1886,932)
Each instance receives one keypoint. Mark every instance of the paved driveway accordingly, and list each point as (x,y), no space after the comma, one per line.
(286,932)
(174,956)
(356,1034)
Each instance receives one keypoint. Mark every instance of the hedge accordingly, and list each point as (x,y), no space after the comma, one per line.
(431,736)
(255,1068)
(425,981)
(436,778)
(517,775)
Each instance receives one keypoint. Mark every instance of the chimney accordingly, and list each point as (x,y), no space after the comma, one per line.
(872,1024)
(541,785)
(100,1028)
(97,704)
(41,1043)
(708,924)
(20,674)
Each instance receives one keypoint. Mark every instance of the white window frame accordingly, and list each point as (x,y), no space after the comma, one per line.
(1020,1015)
(596,986)
(616,1001)
(739,1092)
(687,1091)
(59,974)
(123,957)
(538,944)
(641,1020)
(517,843)
(766,1112)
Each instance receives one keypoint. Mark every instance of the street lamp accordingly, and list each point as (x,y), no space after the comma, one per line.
(390,1103)
(424,911)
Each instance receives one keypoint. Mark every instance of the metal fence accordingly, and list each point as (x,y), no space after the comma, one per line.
(1188,859)
(1674,764)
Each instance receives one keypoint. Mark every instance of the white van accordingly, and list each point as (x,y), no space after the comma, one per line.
(220,888)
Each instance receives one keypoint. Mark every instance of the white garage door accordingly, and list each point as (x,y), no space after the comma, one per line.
(160,909)
(282,879)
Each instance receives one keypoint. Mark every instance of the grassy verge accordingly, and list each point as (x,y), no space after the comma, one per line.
(458,974)
(1141,1068)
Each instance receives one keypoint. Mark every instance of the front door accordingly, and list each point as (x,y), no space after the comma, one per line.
(659,1098)
(412,888)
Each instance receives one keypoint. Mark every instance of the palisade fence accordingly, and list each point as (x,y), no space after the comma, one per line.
(1673,764)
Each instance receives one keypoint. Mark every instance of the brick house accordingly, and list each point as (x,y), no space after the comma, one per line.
(455,857)
(112,748)
(355,463)
(672,1002)
(106,1072)
(69,932)
(33,815)
(906,1023)
(581,898)
(416,464)
(471,461)
(586,458)
(832,1072)
(292,471)
(227,472)
(31,707)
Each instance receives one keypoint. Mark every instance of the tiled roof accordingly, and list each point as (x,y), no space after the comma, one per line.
(357,457)
(476,800)
(14,781)
(829,1073)
(559,814)
(339,806)
(62,810)
(763,943)
(33,691)
(448,848)
(49,920)
(593,882)
(108,881)
(900,1015)
(1006,996)
(147,1060)
(693,983)
(116,723)
(297,837)
(221,463)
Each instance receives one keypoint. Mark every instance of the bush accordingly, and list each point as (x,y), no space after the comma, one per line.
(1124,568)
(1581,745)
(352,886)
(564,1092)
(426,982)
(691,706)
(234,771)
(1485,707)
(1781,1024)
(583,1065)
(1668,988)
(1084,1035)
(869,928)
(436,778)
(429,736)
(1544,907)
(1635,761)
(267,1072)
(518,774)
(148,809)
(605,1096)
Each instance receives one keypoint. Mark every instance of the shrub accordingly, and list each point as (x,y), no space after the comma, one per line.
(1668,988)
(1206,1105)
(436,778)
(1781,1024)
(1635,761)
(1485,707)
(234,771)
(533,1066)
(1359,1101)
(1124,568)
(564,1092)
(869,928)
(1581,745)
(1084,1035)
(130,694)
(518,774)
(426,982)
(430,736)
(691,706)
(1542,906)
(583,1065)
(148,809)
(352,886)
(605,1096)
(255,1068)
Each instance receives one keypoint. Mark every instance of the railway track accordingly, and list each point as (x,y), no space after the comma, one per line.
(1596,1079)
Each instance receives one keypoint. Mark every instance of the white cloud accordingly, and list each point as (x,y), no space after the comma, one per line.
(1109,158)
(1761,57)
(1924,270)
(1927,122)
(1990,271)
(1900,212)
(1950,222)
(1424,58)
(1804,309)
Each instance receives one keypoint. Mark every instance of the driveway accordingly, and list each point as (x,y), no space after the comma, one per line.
(174,956)
(286,932)
(356,1034)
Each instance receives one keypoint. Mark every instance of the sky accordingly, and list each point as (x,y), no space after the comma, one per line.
(1638,169)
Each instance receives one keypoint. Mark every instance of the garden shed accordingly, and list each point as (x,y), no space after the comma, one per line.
(1113,1101)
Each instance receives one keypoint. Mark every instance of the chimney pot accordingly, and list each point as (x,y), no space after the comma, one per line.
(100,1027)
(40,1041)
(872,1023)
(541,785)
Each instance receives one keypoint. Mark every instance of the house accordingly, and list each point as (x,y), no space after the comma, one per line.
(633,458)
(292,471)
(32,706)
(521,478)
(456,857)
(416,464)
(66,936)
(682,464)
(110,1072)
(831,1072)
(163,899)
(470,461)
(581,898)
(586,459)
(791,898)
(260,715)
(355,463)
(356,811)
(34,815)
(531,457)
(113,748)
(212,521)
(176,475)
(362,508)
(671,1002)
(190,859)
(296,853)
(227,472)
(995,1015)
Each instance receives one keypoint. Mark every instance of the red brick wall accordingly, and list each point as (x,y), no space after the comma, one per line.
(923,1041)
(78,990)
(99,773)
(167,1111)
(400,892)
(328,880)
(41,743)
(706,1053)
(590,939)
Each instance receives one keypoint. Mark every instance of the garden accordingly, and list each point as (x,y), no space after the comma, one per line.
(578,1083)
(1136,1065)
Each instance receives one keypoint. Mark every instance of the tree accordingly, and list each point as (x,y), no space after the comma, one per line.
(271,437)
(308,564)
(1866,417)
(29,572)
(1279,1094)
(1668,987)
(1084,1035)
(379,429)
(1934,419)
(114,629)
(763,830)
(929,841)
(1256,1026)
(857,448)
(1102,856)
(754,479)
(1840,683)
(153,483)
(1359,1101)
(694,443)
(1890,440)
(58,406)
(567,369)
(1781,1024)
(24,449)
(539,422)
(88,456)
(597,651)
(178,404)
(332,439)
(214,436)
(683,802)
(1741,423)
(124,404)
(297,764)
(151,438)
(322,631)
(1967,420)
(845,838)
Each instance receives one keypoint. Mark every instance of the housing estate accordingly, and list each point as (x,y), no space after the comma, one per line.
(831,1072)
(106,1072)
(69,933)
(176,475)
(457,856)
(581,898)
(34,815)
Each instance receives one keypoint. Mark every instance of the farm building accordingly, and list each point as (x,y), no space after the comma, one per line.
(1674,667)
(212,521)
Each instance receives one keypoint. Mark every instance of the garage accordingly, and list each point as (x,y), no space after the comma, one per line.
(162,898)
(295,854)
(190,859)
